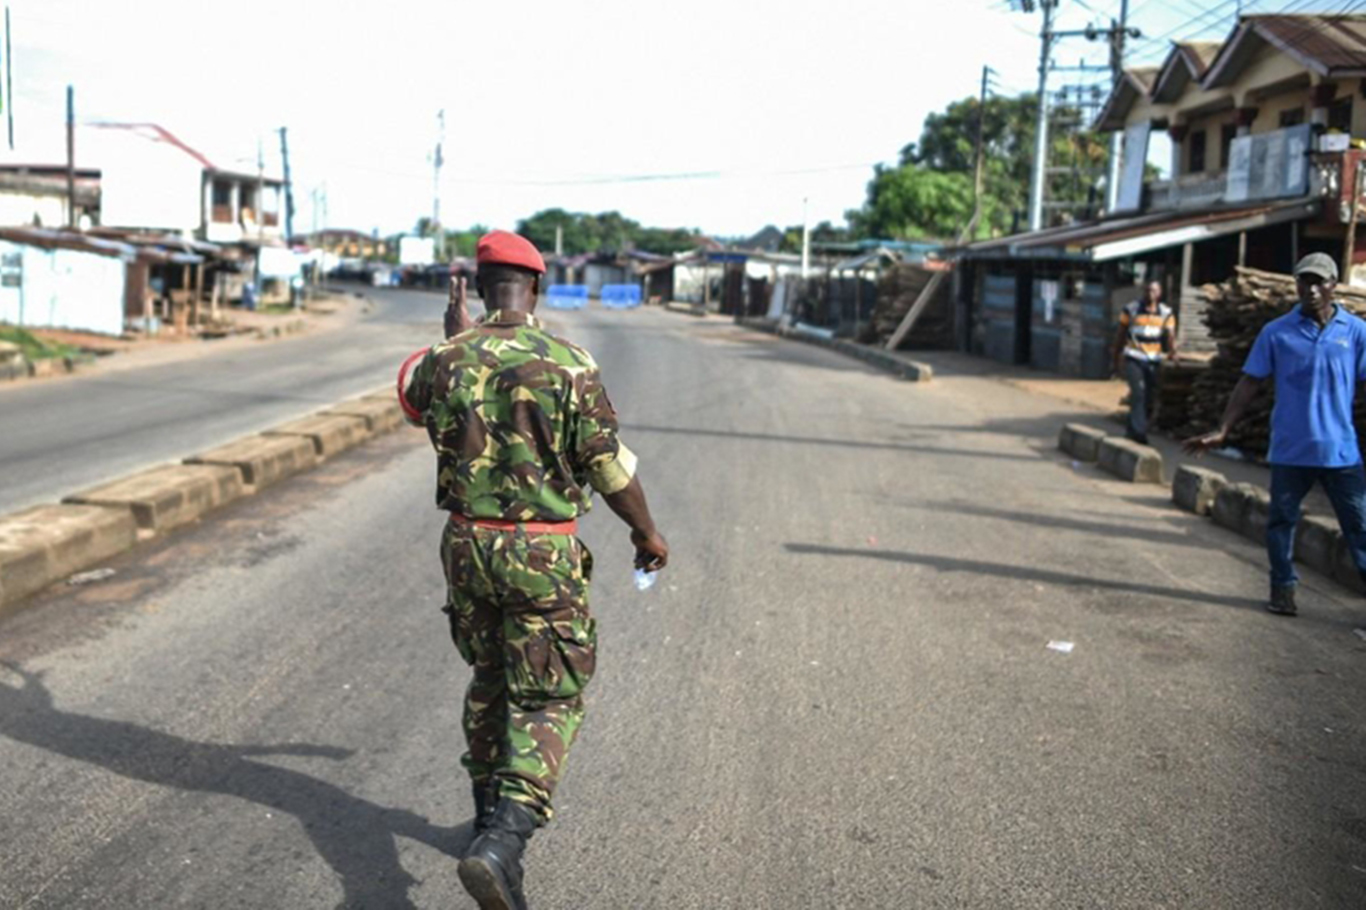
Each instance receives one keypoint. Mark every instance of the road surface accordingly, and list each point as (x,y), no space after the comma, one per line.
(839,695)
(65,436)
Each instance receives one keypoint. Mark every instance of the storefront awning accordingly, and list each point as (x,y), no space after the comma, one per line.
(1105,241)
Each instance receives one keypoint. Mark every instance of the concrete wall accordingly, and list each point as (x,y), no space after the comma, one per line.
(145,184)
(62,289)
(24,209)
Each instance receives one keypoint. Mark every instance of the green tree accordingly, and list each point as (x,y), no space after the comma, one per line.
(911,202)
(920,201)
(603,232)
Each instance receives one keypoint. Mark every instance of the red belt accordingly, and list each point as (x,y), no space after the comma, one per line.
(531,527)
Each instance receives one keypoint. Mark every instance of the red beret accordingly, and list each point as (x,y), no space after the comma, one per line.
(504,248)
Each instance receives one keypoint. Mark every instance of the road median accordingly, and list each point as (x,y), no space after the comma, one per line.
(46,544)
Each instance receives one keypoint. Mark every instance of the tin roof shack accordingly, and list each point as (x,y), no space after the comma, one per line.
(35,195)
(64,279)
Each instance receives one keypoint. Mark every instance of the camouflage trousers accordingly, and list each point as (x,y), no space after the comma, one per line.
(518,606)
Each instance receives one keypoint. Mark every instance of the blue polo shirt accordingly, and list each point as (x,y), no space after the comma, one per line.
(1316,372)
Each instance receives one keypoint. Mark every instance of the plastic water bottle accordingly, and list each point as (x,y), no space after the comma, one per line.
(646,580)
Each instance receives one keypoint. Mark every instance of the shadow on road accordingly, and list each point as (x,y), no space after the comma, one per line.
(1021,573)
(354,836)
(1129,531)
(821,441)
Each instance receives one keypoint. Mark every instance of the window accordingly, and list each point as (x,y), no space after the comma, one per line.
(1197,153)
(222,192)
(1340,115)
(1227,133)
(1292,116)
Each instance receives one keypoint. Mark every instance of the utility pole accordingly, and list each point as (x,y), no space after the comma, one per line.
(806,240)
(977,165)
(70,157)
(1118,32)
(9,83)
(437,161)
(289,188)
(260,212)
(1036,188)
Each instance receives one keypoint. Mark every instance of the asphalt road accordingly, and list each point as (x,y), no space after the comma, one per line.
(839,695)
(64,436)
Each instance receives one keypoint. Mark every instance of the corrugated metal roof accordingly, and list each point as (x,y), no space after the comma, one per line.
(1137,82)
(1335,42)
(1081,241)
(1326,44)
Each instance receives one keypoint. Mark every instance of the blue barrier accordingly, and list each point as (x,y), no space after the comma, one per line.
(620,296)
(566,296)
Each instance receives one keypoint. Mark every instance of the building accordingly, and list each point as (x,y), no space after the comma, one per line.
(344,243)
(35,195)
(151,180)
(1262,168)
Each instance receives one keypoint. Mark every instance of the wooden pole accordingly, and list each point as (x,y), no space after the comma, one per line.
(1350,245)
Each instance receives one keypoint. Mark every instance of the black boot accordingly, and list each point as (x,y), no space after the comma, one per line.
(485,799)
(492,868)
(1282,600)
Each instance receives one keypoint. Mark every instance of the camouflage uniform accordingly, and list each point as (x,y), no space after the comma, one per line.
(523,429)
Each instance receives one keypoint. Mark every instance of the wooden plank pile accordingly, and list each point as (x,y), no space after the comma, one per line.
(1176,391)
(1237,311)
(896,293)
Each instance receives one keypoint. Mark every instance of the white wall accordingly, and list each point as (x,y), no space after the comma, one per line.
(144,184)
(22,209)
(64,289)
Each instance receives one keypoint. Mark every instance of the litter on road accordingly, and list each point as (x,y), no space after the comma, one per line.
(1063,647)
(94,575)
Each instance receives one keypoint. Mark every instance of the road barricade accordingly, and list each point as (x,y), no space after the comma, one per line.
(566,296)
(620,296)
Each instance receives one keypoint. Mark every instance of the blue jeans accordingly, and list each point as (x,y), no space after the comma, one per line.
(1346,489)
(1142,376)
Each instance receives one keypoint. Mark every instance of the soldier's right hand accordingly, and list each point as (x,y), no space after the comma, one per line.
(652,550)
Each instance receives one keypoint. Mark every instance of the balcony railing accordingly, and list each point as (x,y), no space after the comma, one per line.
(1190,191)
(221,214)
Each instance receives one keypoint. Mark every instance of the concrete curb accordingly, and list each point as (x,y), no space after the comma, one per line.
(1243,509)
(1129,460)
(910,370)
(1115,455)
(46,544)
(1080,441)
(169,496)
(330,434)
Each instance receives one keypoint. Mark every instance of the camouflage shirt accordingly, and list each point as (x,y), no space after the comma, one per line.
(520,420)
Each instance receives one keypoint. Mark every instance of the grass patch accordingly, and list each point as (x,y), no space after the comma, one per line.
(35,348)
(277,309)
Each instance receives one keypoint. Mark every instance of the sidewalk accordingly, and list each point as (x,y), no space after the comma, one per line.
(325,313)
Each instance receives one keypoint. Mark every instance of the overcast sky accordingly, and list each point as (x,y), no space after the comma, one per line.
(568,104)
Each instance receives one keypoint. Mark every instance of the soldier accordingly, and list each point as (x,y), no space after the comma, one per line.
(524,432)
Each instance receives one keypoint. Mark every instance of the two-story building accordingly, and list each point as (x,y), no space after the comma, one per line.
(151,180)
(1262,170)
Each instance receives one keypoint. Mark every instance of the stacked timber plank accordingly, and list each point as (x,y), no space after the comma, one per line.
(897,291)
(1176,390)
(1237,310)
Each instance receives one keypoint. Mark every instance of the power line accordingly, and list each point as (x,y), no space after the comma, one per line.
(613,179)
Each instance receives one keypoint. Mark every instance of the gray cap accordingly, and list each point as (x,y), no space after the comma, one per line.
(1320,264)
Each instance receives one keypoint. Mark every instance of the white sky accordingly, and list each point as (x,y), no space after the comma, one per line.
(785,98)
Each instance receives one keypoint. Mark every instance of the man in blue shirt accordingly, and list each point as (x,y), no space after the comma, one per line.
(1316,355)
